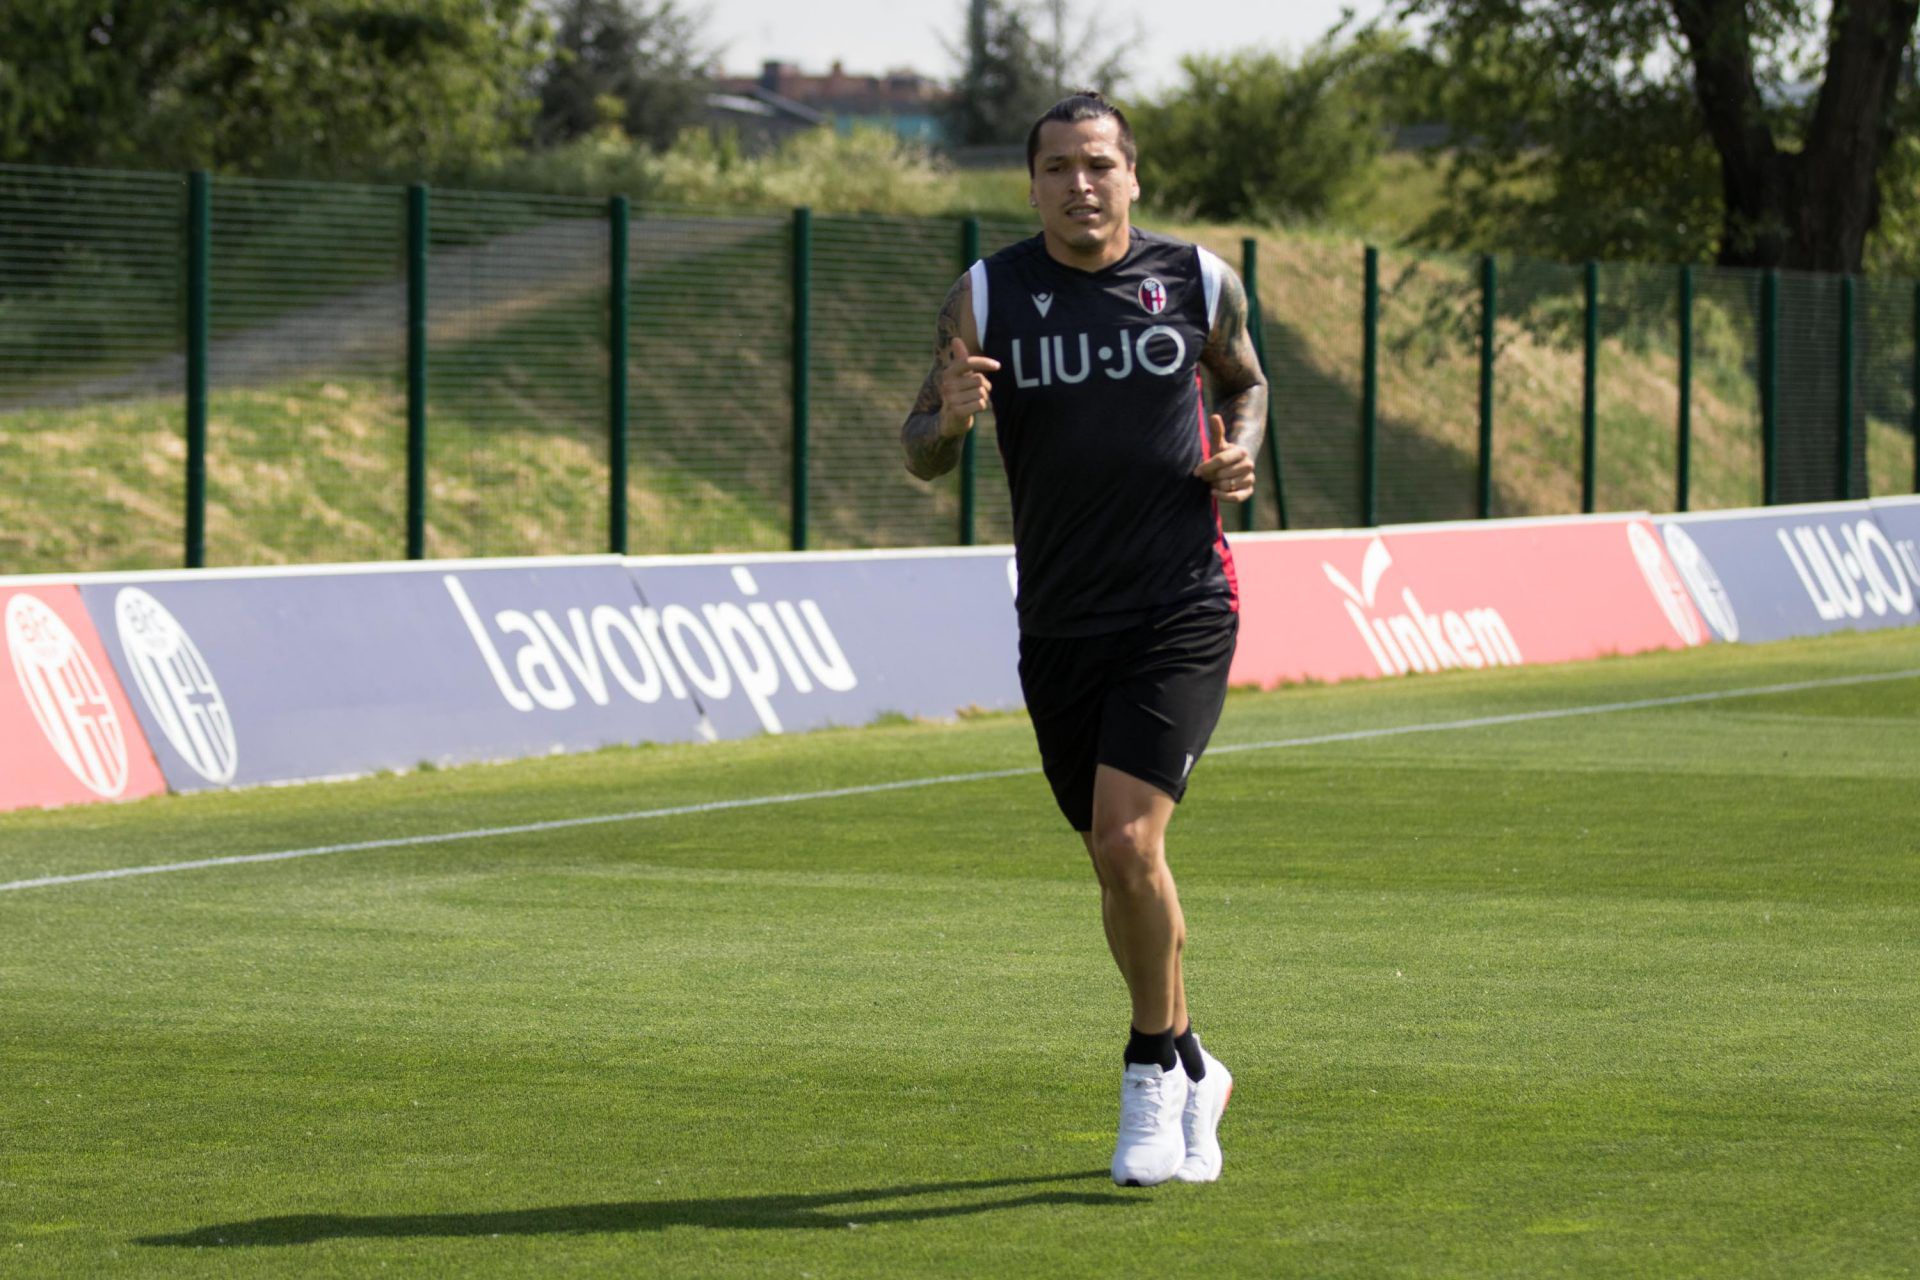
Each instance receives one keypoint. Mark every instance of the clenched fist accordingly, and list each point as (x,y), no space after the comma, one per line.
(963,389)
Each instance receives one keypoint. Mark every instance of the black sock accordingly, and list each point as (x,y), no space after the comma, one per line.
(1187,1045)
(1155,1047)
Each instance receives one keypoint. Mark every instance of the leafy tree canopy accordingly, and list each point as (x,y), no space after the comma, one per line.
(313,87)
(1258,136)
(638,64)
(1019,57)
(1755,131)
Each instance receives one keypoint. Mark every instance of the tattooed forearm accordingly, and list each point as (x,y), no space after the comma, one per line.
(1240,389)
(930,452)
(930,455)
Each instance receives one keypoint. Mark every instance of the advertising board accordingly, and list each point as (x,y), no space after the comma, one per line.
(1796,571)
(1899,519)
(1421,599)
(238,677)
(779,643)
(231,677)
(248,678)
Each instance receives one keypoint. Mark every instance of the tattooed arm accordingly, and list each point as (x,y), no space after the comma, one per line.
(1240,396)
(955,389)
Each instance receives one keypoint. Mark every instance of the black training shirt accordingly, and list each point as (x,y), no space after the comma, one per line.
(1100,422)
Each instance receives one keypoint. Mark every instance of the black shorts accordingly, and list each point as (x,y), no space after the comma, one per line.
(1143,701)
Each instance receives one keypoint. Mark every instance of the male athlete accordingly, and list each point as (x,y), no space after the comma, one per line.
(1088,341)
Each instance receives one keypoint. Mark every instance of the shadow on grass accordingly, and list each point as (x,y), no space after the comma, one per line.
(833,1210)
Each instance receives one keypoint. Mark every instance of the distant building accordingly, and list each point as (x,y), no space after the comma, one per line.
(909,104)
(761,120)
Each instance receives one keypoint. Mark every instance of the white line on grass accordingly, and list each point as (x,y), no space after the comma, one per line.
(907,784)
(1560,713)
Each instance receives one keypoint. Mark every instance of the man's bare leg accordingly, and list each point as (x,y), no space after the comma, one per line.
(1145,931)
(1139,905)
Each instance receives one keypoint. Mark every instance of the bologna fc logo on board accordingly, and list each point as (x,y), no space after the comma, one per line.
(67,696)
(1709,594)
(176,684)
(1153,296)
(1665,583)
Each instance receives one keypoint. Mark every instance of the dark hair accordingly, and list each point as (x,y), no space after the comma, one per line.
(1085,104)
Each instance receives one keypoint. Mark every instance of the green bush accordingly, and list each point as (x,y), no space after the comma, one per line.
(864,170)
(1255,137)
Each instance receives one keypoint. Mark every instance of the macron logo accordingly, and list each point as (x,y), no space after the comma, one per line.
(1044,302)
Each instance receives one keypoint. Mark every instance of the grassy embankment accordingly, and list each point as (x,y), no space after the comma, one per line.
(311,467)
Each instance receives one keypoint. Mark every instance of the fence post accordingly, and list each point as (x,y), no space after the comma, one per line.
(802,358)
(1489,295)
(1589,396)
(1370,393)
(969,467)
(1845,442)
(199,307)
(1683,478)
(417,371)
(1257,334)
(618,310)
(1769,387)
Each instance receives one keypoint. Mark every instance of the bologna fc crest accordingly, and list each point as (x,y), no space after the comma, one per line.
(68,698)
(177,684)
(1153,296)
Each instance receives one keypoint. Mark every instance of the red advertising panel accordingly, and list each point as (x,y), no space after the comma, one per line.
(67,734)
(1292,626)
(1456,596)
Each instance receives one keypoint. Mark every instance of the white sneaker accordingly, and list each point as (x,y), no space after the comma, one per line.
(1150,1146)
(1200,1122)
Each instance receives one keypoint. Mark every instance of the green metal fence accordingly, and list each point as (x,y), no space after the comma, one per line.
(230,371)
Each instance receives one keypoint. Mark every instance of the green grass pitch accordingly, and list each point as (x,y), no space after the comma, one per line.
(1623,993)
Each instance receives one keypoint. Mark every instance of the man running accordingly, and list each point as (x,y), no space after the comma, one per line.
(1087,341)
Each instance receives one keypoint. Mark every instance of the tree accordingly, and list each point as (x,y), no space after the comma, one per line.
(75,74)
(1763,134)
(1093,55)
(308,87)
(643,61)
(1603,168)
(1010,73)
(1256,136)
(1655,125)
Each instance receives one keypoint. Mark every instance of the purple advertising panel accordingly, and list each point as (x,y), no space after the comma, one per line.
(1794,571)
(773,644)
(243,678)
(1900,520)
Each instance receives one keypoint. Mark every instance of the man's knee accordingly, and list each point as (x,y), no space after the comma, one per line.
(1129,855)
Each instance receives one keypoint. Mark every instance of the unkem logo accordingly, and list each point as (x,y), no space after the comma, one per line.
(67,696)
(1416,640)
(176,684)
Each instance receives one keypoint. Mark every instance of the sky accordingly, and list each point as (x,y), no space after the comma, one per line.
(871,36)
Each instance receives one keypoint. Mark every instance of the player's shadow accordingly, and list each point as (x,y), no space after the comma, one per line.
(832,1210)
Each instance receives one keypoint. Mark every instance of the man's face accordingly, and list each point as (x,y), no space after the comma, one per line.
(1082,183)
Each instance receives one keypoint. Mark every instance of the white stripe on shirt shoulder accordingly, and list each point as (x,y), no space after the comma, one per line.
(978,274)
(1212,272)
